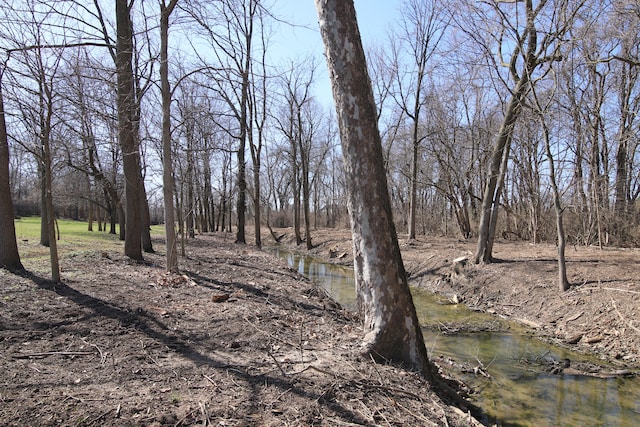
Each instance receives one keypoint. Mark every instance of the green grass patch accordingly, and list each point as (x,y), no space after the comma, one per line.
(75,239)
(29,228)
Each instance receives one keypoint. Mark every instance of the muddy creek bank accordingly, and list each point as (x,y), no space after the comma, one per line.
(519,379)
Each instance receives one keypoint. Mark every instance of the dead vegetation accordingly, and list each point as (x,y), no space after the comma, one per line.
(236,339)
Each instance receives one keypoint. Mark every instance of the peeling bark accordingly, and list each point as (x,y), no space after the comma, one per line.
(392,332)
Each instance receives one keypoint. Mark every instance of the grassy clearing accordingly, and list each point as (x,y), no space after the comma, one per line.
(74,240)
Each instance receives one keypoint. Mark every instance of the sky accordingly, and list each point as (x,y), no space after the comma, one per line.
(375,17)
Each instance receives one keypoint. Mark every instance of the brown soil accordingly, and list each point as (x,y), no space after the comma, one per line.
(237,339)
(597,315)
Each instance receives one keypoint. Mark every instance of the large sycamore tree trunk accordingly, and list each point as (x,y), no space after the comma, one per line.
(126,136)
(392,332)
(9,256)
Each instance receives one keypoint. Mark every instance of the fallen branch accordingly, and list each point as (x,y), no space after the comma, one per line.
(210,380)
(103,357)
(52,353)
(358,382)
(630,323)
(277,363)
(269,334)
(98,418)
(575,317)
(598,288)
(622,290)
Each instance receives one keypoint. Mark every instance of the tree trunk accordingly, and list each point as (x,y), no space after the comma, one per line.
(9,256)
(51,229)
(207,198)
(305,204)
(244,129)
(296,184)
(90,215)
(44,233)
(413,195)
(122,222)
(167,162)
(563,282)
(256,203)
(495,209)
(392,332)
(490,197)
(126,109)
(147,244)
(242,191)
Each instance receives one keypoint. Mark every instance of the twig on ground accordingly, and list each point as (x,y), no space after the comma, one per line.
(629,323)
(598,288)
(375,368)
(52,353)
(210,380)
(268,334)
(359,383)
(418,416)
(367,412)
(103,357)
(205,414)
(98,418)
(622,290)
(277,363)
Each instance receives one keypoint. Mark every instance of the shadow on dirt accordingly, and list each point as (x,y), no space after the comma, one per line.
(147,324)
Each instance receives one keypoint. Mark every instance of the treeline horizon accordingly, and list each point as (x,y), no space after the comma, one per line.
(504,115)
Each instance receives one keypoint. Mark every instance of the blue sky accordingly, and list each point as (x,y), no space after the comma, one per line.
(375,17)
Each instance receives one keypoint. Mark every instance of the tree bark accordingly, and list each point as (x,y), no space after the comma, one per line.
(490,197)
(126,136)
(306,196)
(167,161)
(241,205)
(146,242)
(9,256)
(44,214)
(392,332)
(563,282)
(51,216)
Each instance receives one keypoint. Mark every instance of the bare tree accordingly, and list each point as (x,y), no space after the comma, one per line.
(392,332)
(126,131)
(296,126)
(36,74)
(626,82)
(90,99)
(258,107)
(421,31)
(230,28)
(542,108)
(533,42)
(167,158)
(9,256)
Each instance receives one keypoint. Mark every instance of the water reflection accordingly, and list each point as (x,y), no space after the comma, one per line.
(337,280)
(518,393)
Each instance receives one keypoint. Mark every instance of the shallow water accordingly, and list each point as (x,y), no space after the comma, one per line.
(518,393)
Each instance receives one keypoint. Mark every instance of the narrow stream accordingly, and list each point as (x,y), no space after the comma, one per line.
(519,391)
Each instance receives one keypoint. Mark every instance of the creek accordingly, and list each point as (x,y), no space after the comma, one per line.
(509,370)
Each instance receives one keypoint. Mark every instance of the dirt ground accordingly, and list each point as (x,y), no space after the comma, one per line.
(236,339)
(598,315)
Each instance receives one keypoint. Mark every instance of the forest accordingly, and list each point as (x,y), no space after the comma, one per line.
(524,111)
(510,123)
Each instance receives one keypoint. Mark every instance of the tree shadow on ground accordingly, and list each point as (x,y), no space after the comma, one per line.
(150,326)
